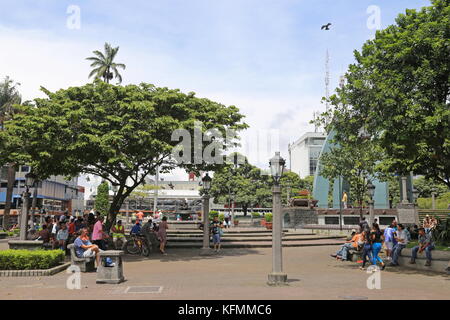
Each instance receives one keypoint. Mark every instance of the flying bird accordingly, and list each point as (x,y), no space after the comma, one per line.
(326,26)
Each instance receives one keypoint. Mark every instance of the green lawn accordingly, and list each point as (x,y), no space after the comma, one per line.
(437,246)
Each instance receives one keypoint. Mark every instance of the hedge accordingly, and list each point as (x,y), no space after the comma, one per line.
(268,217)
(29,259)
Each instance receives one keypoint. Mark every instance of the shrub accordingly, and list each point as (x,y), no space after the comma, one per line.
(442,202)
(256,215)
(213,214)
(268,217)
(30,260)
(222,217)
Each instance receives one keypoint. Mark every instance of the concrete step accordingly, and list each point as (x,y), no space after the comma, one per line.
(242,235)
(252,239)
(259,244)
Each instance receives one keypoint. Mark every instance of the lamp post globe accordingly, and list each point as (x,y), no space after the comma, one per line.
(206,182)
(277,164)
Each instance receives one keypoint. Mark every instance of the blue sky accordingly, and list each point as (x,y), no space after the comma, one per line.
(265,57)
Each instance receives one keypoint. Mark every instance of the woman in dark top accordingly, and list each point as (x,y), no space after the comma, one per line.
(367,249)
(376,239)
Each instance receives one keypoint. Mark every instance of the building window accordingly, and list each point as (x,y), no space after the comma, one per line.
(331,220)
(25,169)
(351,220)
(312,166)
(386,221)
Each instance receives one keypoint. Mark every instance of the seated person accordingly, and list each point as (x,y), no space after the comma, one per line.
(118,233)
(61,237)
(84,248)
(425,244)
(354,244)
(44,234)
(401,237)
(136,228)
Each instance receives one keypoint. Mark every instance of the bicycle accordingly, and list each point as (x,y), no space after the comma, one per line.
(138,245)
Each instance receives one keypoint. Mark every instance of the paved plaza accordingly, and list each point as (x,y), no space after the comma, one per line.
(236,274)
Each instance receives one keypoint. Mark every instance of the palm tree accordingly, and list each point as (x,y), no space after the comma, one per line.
(104,65)
(9,95)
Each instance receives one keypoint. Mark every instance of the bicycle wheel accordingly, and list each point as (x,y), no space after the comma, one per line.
(145,250)
(132,248)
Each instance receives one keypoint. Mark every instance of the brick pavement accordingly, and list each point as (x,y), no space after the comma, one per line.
(237,274)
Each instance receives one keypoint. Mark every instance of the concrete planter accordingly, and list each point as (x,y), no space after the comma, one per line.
(26,245)
(439,263)
(3,235)
(34,273)
(269,225)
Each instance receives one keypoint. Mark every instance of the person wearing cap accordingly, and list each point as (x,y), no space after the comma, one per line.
(354,243)
(136,228)
(118,233)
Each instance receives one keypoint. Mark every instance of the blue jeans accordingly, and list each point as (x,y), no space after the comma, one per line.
(376,248)
(427,252)
(343,252)
(367,253)
(396,252)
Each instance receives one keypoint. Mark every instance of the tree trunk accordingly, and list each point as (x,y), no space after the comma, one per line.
(9,194)
(245,209)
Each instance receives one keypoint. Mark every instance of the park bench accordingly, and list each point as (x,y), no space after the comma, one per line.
(439,263)
(85,264)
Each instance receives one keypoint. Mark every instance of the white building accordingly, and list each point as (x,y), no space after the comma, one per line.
(304,153)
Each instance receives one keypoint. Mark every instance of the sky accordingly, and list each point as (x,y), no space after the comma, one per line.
(265,57)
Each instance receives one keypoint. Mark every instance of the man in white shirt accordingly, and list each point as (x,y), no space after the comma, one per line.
(402,240)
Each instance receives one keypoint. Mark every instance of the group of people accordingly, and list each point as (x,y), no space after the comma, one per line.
(370,241)
(156,225)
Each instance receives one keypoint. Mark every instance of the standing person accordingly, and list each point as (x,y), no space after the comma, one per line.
(363,225)
(215,228)
(425,244)
(140,216)
(367,248)
(162,235)
(389,240)
(376,237)
(402,240)
(62,236)
(227,219)
(344,199)
(98,235)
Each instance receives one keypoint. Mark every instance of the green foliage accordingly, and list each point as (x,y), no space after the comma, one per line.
(441,234)
(398,91)
(442,202)
(426,186)
(268,217)
(292,183)
(221,217)
(256,215)
(213,214)
(119,133)
(247,182)
(30,260)
(102,198)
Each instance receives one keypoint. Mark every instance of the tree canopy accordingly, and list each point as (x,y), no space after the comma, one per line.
(398,91)
(120,133)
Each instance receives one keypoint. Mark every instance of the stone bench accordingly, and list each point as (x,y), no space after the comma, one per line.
(3,235)
(112,275)
(85,264)
(439,263)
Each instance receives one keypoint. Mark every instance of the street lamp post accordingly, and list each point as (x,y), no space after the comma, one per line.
(29,182)
(277,277)
(415,194)
(433,198)
(371,193)
(206,249)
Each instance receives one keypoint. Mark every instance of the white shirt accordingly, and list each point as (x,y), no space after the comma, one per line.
(402,235)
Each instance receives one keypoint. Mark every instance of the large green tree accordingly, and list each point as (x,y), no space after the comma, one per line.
(120,133)
(246,182)
(104,66)
(9,96)
(102,198)
(398,90)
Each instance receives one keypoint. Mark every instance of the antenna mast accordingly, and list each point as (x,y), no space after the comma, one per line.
(327,83)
